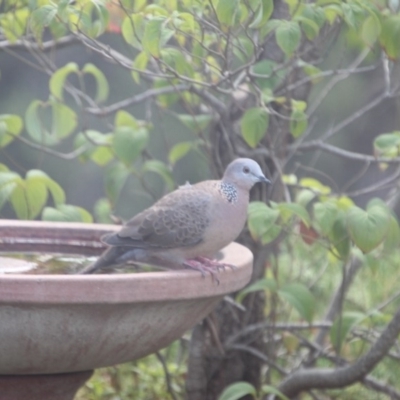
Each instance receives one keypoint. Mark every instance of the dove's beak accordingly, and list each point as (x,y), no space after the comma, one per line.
(262,178)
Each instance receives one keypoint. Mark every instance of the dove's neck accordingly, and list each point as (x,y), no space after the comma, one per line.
(229,191)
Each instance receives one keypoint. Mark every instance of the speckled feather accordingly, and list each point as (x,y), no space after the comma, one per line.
(193,221)
(178,219)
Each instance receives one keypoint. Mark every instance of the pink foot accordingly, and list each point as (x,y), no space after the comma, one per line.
(204,264)
(214,264)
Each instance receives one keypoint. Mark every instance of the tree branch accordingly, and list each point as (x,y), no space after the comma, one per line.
(45,46)
(350,155)
(328,378)
(137,99)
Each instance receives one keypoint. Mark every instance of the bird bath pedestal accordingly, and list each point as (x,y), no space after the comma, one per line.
(55,329)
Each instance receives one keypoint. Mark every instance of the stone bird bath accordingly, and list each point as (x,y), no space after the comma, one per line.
(55,329)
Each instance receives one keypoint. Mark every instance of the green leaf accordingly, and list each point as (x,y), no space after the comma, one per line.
(261,284)
(102,155)
(128,143)
(267,7)
(226,11)
(339,236)
(187,23)
(97,144)
(389,36)
(133,29)
(40,18)
(370,30)
(102,211)
(196,123)
(300,297)
(237,390)
(166,100)
(177,61)
(325,214)
(352,13)
(63,9)
(254,125)
(57,192)
(311,70)
(123,118)
(10,126)
(392,239)
(19,201)
(114,180)
(268,389)
(368,228)
(101,23)
(310,28)
(14,22)
(8,182)
(387,144)
(101,80)
(267,75)
(57,80)
(315,186)
(66,213)
(35,191)
(298,123)
(288,36)
(140,63)
(179,151)
(63,122)
(342,326)
(152,36)
(332,12)
(160,169)
(293,5)
(261,222)
(287,210)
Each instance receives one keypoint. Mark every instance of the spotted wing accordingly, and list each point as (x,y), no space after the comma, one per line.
(178,219)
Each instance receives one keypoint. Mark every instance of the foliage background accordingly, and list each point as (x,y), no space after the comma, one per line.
(302,262)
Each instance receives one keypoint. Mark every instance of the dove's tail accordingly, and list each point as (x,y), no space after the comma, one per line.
(112,256)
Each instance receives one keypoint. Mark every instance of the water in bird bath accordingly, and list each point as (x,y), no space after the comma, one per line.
(53,263)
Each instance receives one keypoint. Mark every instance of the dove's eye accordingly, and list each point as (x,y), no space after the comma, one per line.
(246,170)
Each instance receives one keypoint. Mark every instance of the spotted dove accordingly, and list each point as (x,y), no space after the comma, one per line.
(187,226)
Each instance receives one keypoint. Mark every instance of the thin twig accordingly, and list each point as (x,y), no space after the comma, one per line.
(261,356)
(139,98)
(278,327)
(350,155)
(167,375)
(65,156)
(45,46)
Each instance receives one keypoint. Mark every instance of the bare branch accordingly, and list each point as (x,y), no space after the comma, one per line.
(65,156)
(369,106)
(378,386)
(45,46)
(213,101)
(384,183)
(336,79)
(350,155)
(167,375)
(261,356)
(327,378)
(295,326)
(137,99)
(337,298)
(369,381)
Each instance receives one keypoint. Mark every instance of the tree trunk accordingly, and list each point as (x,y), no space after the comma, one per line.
(212,364)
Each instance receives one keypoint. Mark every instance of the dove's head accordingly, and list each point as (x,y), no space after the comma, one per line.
(244,173)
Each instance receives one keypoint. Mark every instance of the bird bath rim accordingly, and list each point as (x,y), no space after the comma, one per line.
(81,238)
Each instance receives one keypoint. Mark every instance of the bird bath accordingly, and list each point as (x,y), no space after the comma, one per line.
(55,329)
